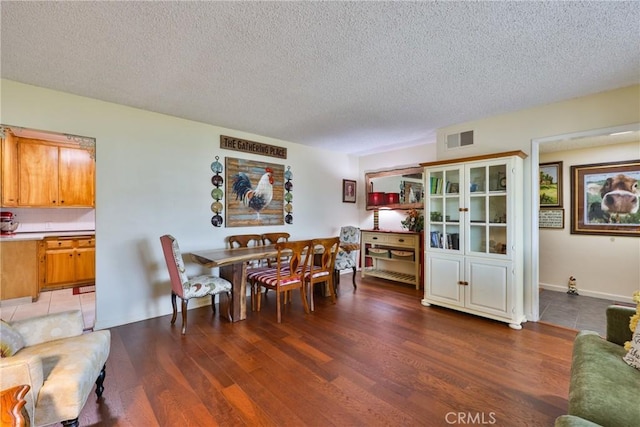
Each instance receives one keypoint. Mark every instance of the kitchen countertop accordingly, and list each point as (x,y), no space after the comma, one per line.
(42,235)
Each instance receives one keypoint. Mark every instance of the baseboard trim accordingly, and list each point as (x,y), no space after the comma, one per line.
(587,293)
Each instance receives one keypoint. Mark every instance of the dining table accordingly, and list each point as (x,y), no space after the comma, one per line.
(233,267)
(232,264)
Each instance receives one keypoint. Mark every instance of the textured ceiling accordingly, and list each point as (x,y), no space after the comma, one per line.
(356,77)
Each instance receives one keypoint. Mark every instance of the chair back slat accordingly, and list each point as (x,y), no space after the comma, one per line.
(293,260)
(244,240)
(272,239)
(329,247)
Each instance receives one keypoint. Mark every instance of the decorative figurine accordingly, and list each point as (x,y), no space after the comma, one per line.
(573,287)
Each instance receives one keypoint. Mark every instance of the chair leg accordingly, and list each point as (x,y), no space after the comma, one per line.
(213,303)
(354,278)
(259,298)
(303,295)
(278,303)
(332,289)
(310,286)
(229,299)
(71,423)
(175,307)
(100,381)
(184,316)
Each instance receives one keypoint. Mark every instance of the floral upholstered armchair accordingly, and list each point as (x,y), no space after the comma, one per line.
(348,259)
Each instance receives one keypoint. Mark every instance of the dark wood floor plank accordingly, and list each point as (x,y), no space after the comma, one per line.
(376,357)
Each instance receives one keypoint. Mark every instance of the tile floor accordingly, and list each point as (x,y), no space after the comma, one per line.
(575,311)
(54,302)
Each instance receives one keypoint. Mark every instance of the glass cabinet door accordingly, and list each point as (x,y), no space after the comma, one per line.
(444,209)
(487,208)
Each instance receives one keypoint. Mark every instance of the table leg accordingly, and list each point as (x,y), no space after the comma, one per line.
(237,275)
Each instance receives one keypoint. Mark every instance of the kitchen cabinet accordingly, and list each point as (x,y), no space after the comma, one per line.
(474,233)
(54,175)
(67,261)
(392,256)
(19,270)
(9,170)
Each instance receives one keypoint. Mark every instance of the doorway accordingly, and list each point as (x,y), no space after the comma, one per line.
(574,256)
(49,189)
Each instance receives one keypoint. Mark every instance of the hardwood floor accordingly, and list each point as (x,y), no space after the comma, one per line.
(375,358)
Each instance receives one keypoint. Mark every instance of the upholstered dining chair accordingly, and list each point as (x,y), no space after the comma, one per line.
(322,271)
(348,259)
(286,275)
(190,287)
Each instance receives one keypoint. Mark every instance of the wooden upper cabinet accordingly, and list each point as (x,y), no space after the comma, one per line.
(38,166)
(76,177)
(53,175)
(9,170)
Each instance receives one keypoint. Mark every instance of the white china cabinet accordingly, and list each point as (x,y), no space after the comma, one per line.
(473,236)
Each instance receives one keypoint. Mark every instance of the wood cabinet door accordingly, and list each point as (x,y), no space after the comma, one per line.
(38,171)
(19,273)
(85,264)
(60,267)
(76,177)
(9,165)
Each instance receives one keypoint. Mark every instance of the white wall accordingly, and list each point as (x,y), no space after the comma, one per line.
(515,131)
(153,177)
(605,266)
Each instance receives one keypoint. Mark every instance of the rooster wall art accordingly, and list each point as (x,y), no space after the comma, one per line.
(255,193)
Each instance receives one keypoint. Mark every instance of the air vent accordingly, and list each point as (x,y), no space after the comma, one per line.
(461,139)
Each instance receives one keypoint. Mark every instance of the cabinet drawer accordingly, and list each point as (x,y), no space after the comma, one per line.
(408,240)
(374,238)
(59,244)
(86,243)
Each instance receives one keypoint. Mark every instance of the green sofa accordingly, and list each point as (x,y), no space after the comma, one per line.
(604,390)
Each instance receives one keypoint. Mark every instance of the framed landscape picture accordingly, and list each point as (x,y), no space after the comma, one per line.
(550,185)
(605,198)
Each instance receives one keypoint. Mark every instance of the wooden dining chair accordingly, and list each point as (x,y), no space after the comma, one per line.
(321,270)
(244,240)
(286,276)
(190,287)
(272,239)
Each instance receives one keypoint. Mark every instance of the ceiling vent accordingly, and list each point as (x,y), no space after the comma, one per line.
(461,139)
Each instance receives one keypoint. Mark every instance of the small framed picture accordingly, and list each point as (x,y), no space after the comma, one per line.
(550,185)
(348,191)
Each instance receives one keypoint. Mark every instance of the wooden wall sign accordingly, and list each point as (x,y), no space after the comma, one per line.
(237,144)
